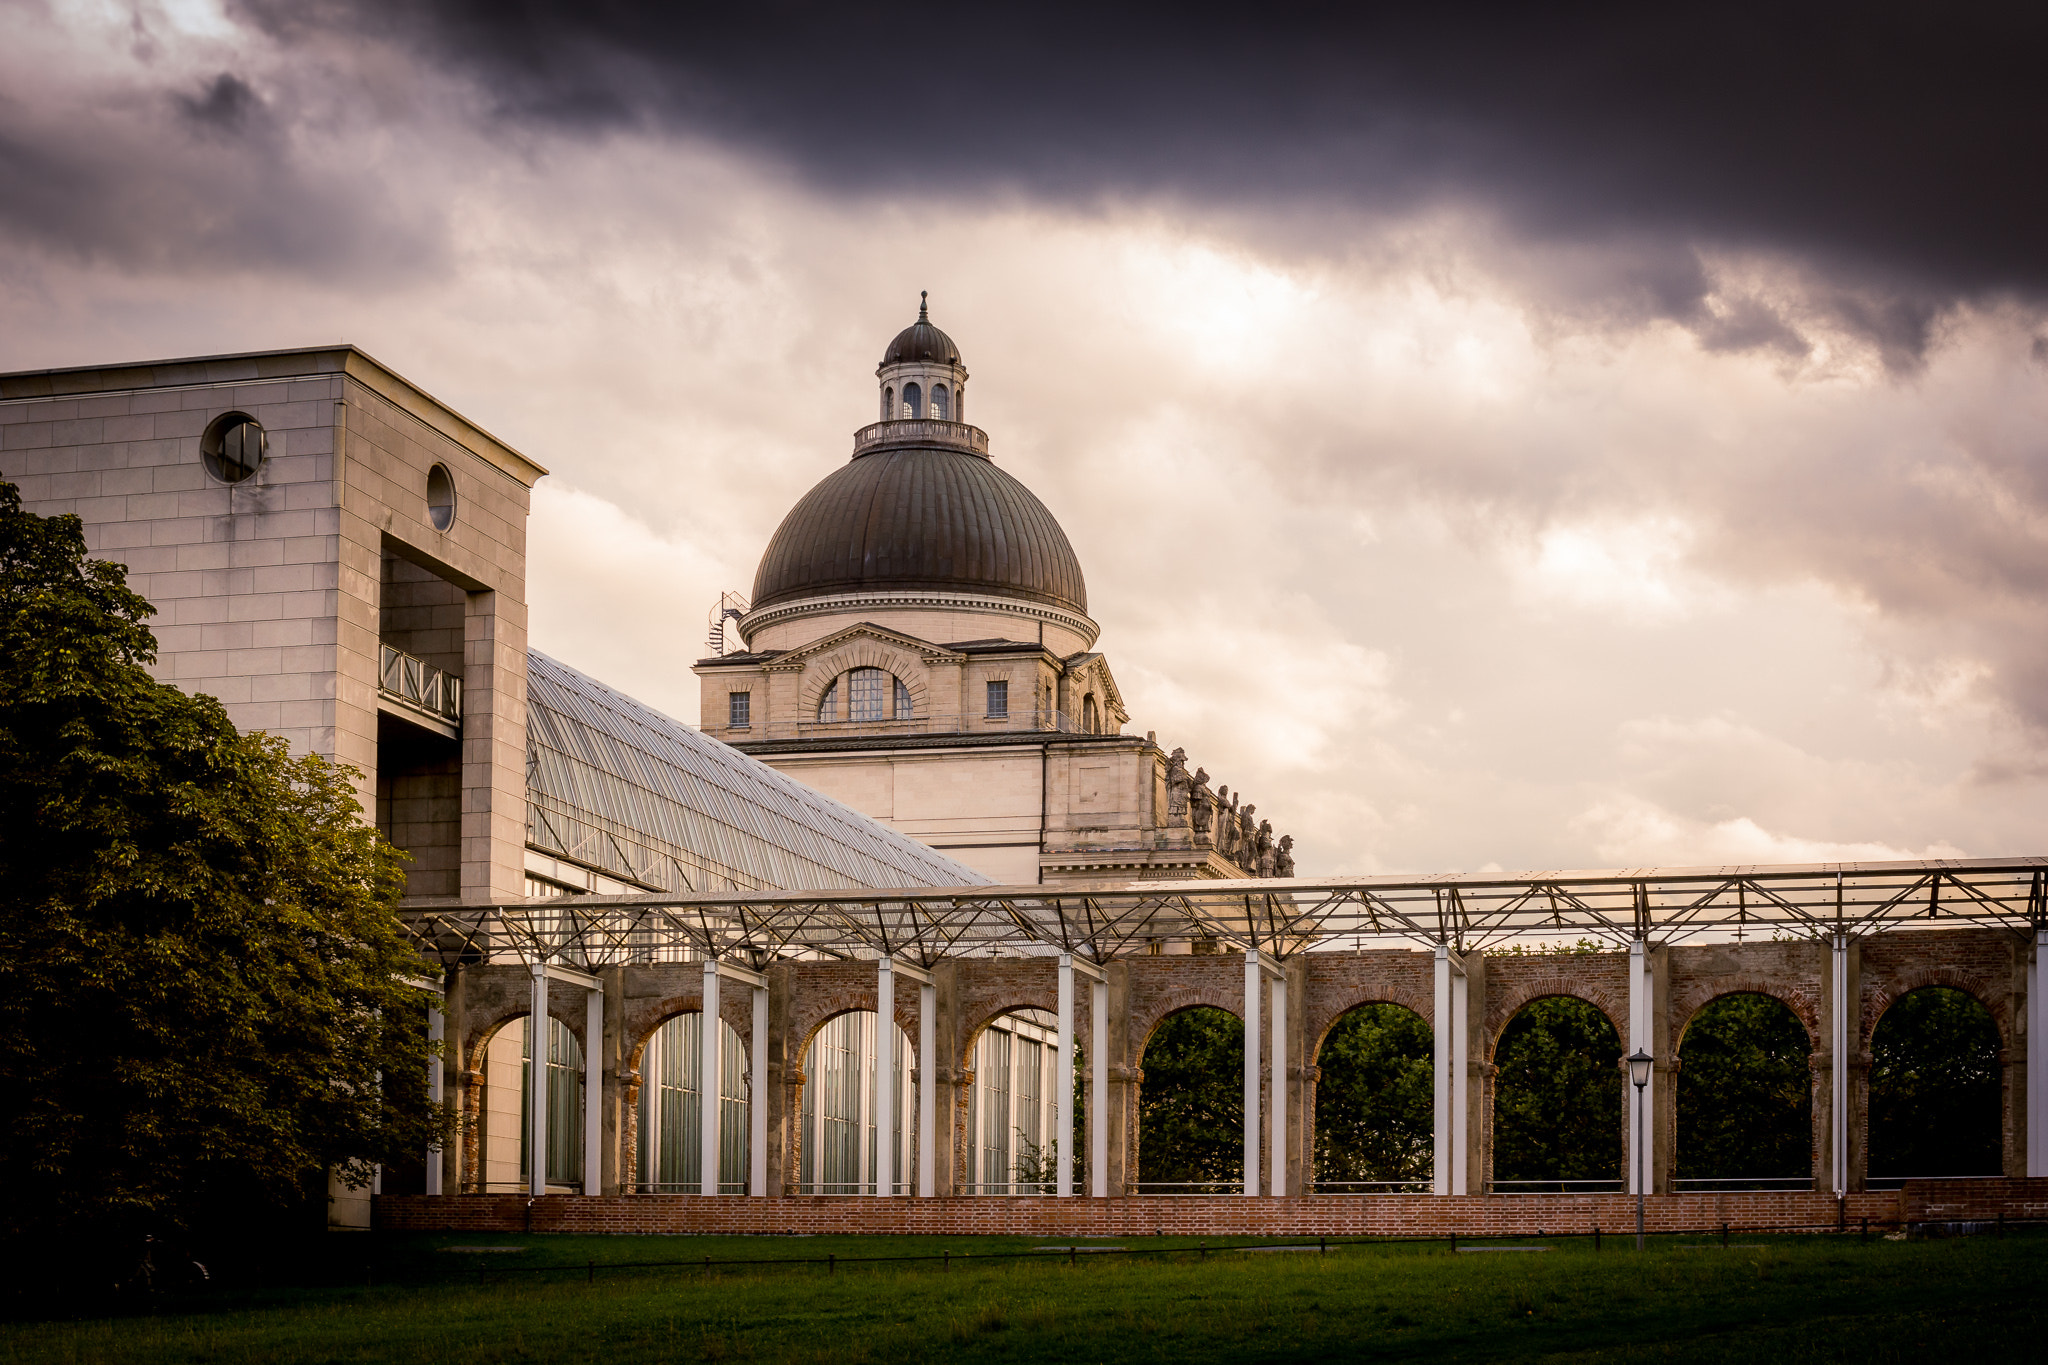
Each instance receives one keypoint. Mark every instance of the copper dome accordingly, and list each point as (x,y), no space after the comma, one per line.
(916,518)
(922,341)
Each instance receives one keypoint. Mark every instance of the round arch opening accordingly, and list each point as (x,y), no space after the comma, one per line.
(1375,1120)
(840,1142)
(1745,1097)
(1558,1111)
(1934,1089)
(1013,1138)
(1191,1104)
(671,1114)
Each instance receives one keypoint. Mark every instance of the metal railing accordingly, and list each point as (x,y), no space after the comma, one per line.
(920,431)
(1418,1186)
(414,680)
(1713,1184)
(1615,1186)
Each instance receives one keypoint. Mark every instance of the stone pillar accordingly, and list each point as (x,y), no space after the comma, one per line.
(1663,1113)
(785,1081)
(1475,1133)
(612,1073)
(454,1163)
(2034,1039)
(494,747)
(952,1075)
(1124,1080)
(1299,1096)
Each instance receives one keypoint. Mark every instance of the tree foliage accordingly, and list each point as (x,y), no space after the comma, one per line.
(1557,1108)
(1191,1105)
(1745,1091)
(1934,1087)
(203,1005)
(1376,1100)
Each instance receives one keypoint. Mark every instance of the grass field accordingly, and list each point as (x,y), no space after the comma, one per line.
(1777,1299)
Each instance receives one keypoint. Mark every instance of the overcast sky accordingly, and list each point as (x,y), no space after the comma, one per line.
(1497,437)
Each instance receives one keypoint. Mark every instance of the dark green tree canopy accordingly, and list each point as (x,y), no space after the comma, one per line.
(203,998)
(1934,1091)
(1376,1099)
(1557,1109)
(1191,1104)
(1745,1092)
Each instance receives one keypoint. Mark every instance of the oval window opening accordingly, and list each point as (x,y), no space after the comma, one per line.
(440,497)
(233,446)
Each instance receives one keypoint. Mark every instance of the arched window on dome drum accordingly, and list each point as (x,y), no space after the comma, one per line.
(905,708)
(1088,714)
(867,694)
(828,705)
(913,401)
(888,402)
(939,405)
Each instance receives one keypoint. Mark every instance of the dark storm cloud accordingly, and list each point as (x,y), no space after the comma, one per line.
(1901,144)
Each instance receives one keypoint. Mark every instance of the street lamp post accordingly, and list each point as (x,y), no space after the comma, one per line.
(1639,1063)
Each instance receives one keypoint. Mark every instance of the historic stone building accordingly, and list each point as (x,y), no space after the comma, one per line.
(918,645)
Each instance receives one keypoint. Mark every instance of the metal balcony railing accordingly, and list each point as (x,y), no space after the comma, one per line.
(420,684)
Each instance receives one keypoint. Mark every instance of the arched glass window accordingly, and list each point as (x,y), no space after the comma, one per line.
(905,708)
(828,705)
(888,402)
(565,1104)
(1088,714)
(940,408)
(671,1109)
(867,694)
(913,401)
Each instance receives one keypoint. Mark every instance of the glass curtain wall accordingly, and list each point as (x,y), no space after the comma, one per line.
(565,1105)
(1012,1118)
(838,1136)
(672,1109)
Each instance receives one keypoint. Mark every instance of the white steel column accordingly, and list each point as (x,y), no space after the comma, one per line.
(757,1099)
(1098,1089)
(1277,993)
(1446,1150)
(2037,1061)
(1639,997)
(593,1092)
(537,1084)
(1839,1039)
(885,1078)
(1251,1070)
(650,1110)
(927,1089)
(1063,1081)
(1461,1092)
(437,1029)
(710,1083)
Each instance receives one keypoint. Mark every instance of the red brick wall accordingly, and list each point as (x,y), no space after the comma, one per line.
(1336,1216)
(1975,1200)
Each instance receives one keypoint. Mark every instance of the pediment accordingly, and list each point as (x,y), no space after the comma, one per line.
(864,632)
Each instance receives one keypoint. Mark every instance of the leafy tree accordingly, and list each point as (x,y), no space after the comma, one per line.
(1934,1087)
(203,1006)
(1376,1101)
(1557,1105)
(1191,1105)
(1745,1091)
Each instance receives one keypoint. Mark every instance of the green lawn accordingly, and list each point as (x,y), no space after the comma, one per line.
(1788,1299)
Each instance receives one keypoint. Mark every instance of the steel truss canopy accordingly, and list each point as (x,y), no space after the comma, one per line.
(1283,918)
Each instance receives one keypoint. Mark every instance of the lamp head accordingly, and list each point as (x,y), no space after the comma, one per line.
(1639,1063)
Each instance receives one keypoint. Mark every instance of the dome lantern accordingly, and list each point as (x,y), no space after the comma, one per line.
(921,376)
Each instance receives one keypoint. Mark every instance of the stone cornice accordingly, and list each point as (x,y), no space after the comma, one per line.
(942,601)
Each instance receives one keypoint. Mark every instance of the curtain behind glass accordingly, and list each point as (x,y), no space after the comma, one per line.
(565,1104)
(671,1126)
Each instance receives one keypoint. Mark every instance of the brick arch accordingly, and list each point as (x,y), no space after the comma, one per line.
(1499,1014)
(987,1015)
(1687,1002)
(641,1023)
(1319,1026)
(909,668)
(1176,1001)
(806,1030)
(481,1034)
(1994,995)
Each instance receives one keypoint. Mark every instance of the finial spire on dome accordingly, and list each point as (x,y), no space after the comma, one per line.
(922,315)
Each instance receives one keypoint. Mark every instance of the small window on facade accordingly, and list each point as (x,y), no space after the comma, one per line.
(999,698)
(440,497)
(888,402)
(828,705)
(940,408)
(233,446)
(905,708)
(1088,714)
(913,401)
(738,707)
(867,693)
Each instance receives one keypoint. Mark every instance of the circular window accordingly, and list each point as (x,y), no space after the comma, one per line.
(233,446)
(440,497)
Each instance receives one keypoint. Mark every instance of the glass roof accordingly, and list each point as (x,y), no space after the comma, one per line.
(616,785)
